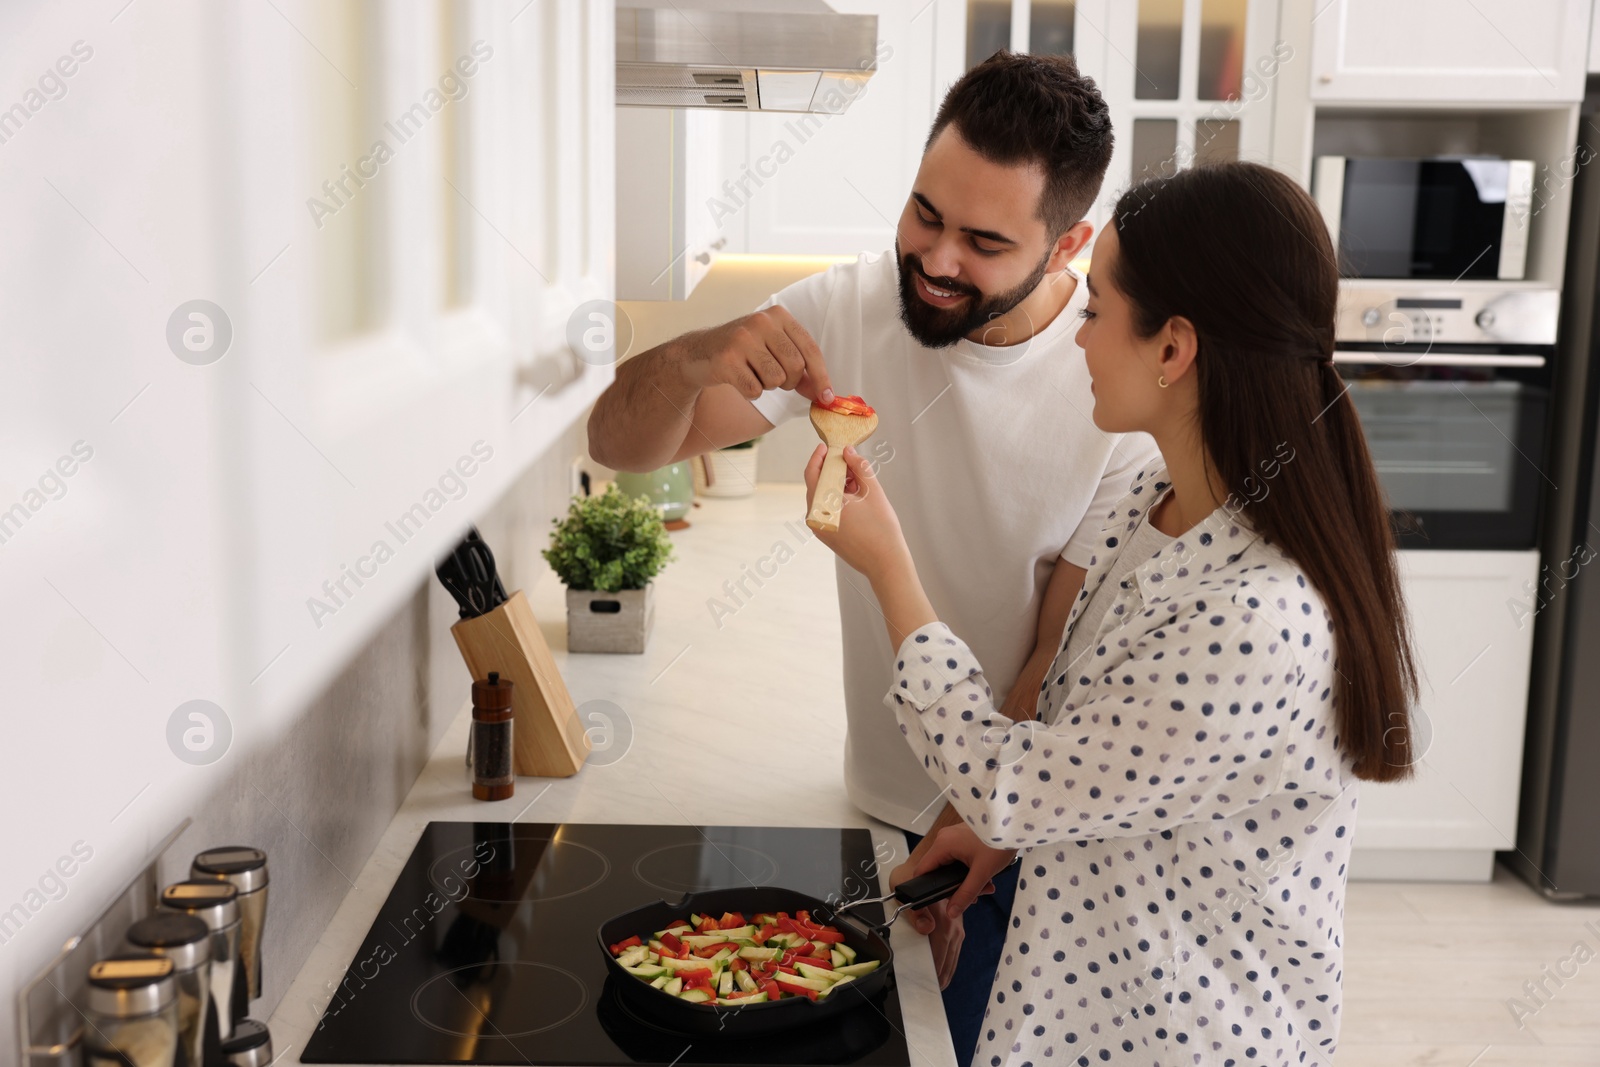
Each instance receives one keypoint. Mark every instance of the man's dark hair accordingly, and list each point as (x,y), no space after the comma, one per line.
(1018,108)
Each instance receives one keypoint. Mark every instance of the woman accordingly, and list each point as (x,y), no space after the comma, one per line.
(1238,657)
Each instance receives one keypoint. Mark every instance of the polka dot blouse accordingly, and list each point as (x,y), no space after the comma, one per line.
(1182,811)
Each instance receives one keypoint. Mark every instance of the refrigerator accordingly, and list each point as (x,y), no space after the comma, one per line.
(1558,833)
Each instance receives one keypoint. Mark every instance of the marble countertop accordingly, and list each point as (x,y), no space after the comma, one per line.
(746,641)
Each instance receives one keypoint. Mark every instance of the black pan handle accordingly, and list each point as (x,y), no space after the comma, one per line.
(936,885)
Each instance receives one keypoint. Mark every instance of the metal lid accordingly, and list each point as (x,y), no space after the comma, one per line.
(215,903)
(241,865)
(250,1045)
(183,939)
(131,984)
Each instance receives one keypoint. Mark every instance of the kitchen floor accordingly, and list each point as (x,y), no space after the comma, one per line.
(1431,970)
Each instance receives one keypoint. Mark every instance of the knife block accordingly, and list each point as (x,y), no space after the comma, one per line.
(548,739)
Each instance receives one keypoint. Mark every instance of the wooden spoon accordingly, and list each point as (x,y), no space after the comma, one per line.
(837,431)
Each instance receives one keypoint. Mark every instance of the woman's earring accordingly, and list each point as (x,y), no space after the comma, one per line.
(1162,381)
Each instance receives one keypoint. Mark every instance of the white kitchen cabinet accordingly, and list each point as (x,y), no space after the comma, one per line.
(835,184)
(1186,81)
(1474,640)
(1450,51)
(667,215)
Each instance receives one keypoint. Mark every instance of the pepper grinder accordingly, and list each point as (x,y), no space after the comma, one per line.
(492,774)
(217,905)
(246,870)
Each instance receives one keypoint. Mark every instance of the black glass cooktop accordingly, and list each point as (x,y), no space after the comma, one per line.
(485,951)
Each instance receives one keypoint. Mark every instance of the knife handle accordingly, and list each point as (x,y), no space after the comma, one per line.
(936,885)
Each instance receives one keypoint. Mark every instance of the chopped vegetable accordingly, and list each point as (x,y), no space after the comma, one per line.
(848,405)
(728,961)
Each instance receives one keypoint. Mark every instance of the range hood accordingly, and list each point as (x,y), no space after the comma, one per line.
(795,56)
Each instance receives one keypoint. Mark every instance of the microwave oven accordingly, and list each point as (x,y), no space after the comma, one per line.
(1453,218)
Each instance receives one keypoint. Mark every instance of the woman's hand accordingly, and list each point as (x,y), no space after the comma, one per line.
(945,934)
(959,842)
(869,536)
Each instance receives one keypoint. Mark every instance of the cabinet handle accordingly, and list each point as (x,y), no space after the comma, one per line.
(703,258)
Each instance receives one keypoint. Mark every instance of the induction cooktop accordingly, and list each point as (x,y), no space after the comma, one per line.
(486,952)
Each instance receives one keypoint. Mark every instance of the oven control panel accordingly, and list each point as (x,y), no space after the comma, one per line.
(1450,313)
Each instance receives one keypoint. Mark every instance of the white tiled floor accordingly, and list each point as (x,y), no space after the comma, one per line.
(1431,970)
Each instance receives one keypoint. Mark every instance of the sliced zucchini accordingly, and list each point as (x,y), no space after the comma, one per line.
(759,998)
(822,974)
(725,983)
(649,970)
(838,958)
(856,970)
(659,982)
(754,953)
(673,987)
(694,996)
(844,980)
(814,984)
(844,949)
(633,956)
(744,981)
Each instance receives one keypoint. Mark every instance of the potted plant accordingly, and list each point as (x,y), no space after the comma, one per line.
(606,551)
(728,471)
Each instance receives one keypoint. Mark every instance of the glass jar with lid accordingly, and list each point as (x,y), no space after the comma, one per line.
(186,941)
(217,905)
(131,1012)
(245,869)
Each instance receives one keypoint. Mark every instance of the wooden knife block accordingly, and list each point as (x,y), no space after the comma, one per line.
(548,740)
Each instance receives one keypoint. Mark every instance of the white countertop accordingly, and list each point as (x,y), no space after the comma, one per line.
(767,664)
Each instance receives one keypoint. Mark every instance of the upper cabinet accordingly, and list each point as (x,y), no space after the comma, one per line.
(1450,51)
(834,184)
(1186,81)
(668,168)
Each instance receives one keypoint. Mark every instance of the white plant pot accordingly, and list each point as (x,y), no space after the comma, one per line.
(727,472)
(610,622)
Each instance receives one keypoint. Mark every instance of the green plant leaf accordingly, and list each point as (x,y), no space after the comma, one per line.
(608,543)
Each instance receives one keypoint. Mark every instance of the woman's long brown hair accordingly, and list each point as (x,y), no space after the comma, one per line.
(1242,252)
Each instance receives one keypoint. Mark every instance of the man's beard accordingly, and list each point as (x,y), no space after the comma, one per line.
(942,327)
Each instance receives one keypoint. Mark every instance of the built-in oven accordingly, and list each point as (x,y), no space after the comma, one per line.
(1452,387)
(1447,218)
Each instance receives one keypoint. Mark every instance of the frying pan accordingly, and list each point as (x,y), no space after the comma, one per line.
(870,941)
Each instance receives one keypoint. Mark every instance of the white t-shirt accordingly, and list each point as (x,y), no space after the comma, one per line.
(992,461)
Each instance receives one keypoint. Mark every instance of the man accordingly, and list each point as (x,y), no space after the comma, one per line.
(963,342)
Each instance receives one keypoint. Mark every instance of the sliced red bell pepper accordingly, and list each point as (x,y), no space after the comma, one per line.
(738,964)
(670,940)
(622,946)
(770,988)
(764,933)
(799,991)
(708,924)
(731,920)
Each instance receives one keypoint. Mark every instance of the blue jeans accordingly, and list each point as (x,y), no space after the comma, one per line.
(967,996)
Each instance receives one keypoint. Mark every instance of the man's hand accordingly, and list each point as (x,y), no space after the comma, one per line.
(766,349)
(944,934)
(959,842)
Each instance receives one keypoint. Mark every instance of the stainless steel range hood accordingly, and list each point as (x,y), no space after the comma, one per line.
(796,56)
